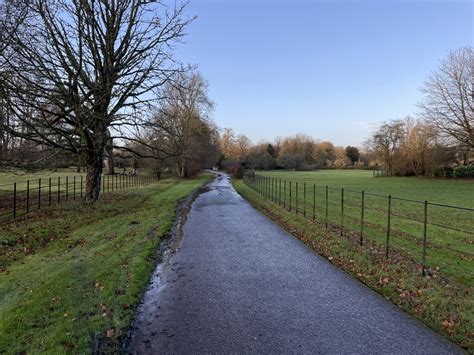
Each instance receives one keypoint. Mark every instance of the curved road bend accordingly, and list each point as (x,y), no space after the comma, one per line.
(238,283)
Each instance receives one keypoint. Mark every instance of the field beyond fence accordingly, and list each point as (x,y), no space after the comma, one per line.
(22,197)
(438,237)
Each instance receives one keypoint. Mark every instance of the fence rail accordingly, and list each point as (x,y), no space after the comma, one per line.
(436,236)
(20,198)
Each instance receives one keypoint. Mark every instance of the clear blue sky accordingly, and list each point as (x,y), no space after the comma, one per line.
(330,69)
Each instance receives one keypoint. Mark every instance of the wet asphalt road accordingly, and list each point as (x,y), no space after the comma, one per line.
(238,283)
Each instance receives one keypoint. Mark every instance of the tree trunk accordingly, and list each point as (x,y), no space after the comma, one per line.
(110,164)
(184,171)
(93,178)
(110,156)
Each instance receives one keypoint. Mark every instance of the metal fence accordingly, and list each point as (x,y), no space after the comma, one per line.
(436,236)
(22,197)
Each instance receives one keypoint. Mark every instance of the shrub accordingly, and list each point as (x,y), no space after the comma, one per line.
(464,171)
(238,172)
(443,172)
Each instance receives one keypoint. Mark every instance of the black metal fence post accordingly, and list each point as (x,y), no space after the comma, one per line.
(290,196)
(67,186)
(279,192)
(362,212)
(268,188)
(74,189)
(314,202)
(425,226)
(342,213)
(264,186)
(284,193)
(389,212)
(81,188)
(59,189)
(327,205)
(304,199)
(296,197)
(272,190)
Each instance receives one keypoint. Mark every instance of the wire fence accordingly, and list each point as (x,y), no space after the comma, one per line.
(22,197)
(436,236)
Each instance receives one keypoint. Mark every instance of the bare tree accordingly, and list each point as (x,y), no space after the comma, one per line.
(244,144)
(182,125)
(386,144)
(227,143)
(448,102)
(87,68)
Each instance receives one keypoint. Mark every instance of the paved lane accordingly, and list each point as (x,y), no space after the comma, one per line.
(240,284)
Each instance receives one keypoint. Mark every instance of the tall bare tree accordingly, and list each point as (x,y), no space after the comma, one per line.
(448,102)
(244,144)
(86,68)
(182,125)
(386,144)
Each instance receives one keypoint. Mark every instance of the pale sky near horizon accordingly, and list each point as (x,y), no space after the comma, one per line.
(329,69)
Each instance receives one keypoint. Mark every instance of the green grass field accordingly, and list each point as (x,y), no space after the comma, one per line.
(449,232)
(8,178)
(451,192)
(71,276)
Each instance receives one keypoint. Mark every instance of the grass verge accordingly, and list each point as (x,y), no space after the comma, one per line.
(72,276)
(445,306)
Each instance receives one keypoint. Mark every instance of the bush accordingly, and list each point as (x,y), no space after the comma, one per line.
(464,171)
(446,172)
(238,172)
(289,161)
